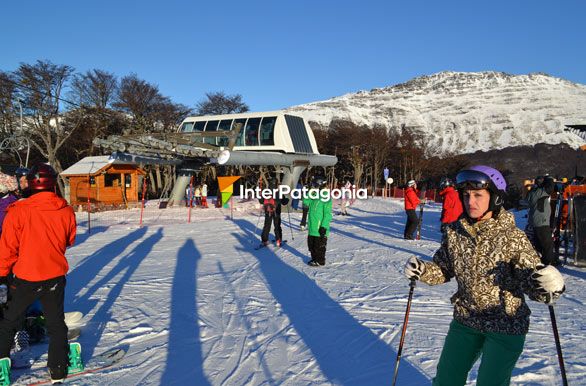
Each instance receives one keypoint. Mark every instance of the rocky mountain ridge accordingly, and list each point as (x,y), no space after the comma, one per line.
(465,112)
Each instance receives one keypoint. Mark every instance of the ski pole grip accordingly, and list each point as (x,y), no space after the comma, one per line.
(412,283)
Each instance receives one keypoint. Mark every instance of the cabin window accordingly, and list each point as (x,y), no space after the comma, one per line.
(211,126)
(199,126)
(240,139)
(187,127)
(112,180)
(267,131)
(224,126)
(252,131)
(128,180)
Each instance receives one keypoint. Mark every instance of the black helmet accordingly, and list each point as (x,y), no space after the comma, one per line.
(318,182)
(445,182)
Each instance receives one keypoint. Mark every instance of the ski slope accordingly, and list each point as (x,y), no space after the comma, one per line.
(197,305)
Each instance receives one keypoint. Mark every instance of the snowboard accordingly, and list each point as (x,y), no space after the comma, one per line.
(73,319)
(26,358)
(40,375)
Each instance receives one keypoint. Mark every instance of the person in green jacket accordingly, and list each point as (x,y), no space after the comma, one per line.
(318,224)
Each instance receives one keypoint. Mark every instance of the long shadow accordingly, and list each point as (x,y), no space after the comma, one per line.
(346,352)
(126,266)
(80,238)
(85,271)
(184,355)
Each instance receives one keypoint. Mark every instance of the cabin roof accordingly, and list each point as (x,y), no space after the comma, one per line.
(91,165)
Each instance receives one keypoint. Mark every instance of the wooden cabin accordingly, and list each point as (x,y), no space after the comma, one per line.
(110,182)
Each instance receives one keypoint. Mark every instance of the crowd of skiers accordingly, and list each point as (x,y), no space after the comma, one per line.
(197,195)
(492,261)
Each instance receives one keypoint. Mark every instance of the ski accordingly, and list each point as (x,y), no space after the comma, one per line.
(39,376)
(275,247)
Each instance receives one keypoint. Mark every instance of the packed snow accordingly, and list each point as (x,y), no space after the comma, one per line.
(196,304)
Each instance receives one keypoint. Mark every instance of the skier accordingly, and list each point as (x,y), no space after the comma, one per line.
(305,210)
(272,210)
(319,217)
(35,234)
(451,204)
(204,195)
(494,266)
(411,202)
(539,219)
(346,199)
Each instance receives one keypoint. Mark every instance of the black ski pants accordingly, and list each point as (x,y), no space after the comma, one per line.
(317,248)
(275,218)
(51,293)
(411,225)
(544,244)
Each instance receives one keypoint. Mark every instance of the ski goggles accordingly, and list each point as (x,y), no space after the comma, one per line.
(472,179)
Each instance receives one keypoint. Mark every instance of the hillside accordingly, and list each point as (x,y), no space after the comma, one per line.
(463,113)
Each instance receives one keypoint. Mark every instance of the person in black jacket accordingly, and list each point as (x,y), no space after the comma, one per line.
(272,209)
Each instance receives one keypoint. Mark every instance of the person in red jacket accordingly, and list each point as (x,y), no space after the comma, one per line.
(411,202)
(35,234)
(451,204)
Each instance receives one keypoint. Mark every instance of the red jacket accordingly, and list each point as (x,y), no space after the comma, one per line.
(35,234)
(452,206)
(411,198)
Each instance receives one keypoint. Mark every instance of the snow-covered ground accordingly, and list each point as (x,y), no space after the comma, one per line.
(197,305)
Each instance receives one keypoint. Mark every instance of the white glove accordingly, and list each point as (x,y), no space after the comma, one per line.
(414,268)
(549,282)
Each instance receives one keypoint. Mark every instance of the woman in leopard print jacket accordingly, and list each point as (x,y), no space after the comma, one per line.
(494,265)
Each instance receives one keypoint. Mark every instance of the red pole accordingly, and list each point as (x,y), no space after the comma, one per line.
(89,207)
(190,199)
(144,185)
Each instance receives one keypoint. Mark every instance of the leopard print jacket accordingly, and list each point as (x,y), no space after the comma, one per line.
(492,261)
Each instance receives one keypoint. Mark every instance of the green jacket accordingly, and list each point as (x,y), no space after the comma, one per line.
(319,215)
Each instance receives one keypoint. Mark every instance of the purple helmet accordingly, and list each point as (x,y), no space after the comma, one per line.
(481,177)
(484,177)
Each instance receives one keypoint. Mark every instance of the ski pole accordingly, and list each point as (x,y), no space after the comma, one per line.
(257,221)
(290,225)
(558,345)
(412,284)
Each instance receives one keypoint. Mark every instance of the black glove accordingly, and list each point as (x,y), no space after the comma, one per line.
(284,201)
(3,280)
(322,232)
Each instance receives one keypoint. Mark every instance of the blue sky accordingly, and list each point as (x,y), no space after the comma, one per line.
(282,53)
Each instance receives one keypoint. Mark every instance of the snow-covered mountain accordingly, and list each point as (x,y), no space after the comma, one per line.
(461,112)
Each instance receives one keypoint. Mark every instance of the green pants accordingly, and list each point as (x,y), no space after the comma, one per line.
(462,348)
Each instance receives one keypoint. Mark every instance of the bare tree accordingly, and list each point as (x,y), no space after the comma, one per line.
(141,100)
(40,86)
(96,88)
(217,103)
(7,91)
